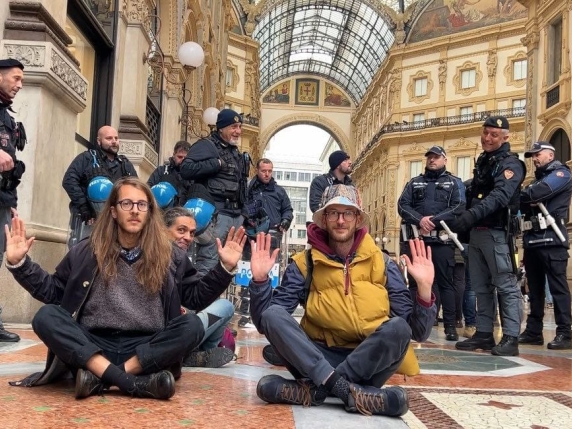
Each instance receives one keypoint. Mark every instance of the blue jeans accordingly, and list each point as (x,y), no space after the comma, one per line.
(469,297)
(215,318)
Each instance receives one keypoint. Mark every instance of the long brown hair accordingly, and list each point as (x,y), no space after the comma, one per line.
(155,243)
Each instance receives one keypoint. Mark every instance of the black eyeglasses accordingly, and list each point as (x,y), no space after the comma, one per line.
(334,215)
(127,205)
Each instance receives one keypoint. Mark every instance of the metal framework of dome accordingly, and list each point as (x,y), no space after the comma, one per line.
(344,41)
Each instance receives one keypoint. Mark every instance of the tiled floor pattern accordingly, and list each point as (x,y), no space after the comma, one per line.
(455,390)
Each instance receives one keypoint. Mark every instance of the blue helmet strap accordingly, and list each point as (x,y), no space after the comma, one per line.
(95,161)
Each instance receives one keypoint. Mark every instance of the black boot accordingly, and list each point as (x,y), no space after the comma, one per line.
(529,338)
(480,340)
(508,346)
(451,333)
(560,342)
(270,356)
(387,401)
(87,384)
(8,337)
(160,385)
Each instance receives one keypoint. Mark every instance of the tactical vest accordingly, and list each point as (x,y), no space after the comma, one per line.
(226,184)
(99,168)
(484,182)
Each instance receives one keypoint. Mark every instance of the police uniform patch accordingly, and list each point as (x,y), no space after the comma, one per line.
(508,174)
(559,174)
(4,138)
(499,123)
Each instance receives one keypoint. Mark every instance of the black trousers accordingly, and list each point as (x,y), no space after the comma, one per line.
(75,345)
(371,363)
(542,263)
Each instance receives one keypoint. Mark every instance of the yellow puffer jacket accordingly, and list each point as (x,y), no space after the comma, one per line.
(350,301)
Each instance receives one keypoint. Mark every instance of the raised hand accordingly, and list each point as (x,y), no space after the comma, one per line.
(232,251)
(17,246)
(421,268)
(262,261)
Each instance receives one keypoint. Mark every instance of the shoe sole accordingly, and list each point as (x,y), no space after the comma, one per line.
(472,349)
(559,347)
(80,380)
(532,343)
(495,353)
(213,358)
(10,341)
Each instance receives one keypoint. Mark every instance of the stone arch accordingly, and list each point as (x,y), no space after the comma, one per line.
(306,119)
(552,126)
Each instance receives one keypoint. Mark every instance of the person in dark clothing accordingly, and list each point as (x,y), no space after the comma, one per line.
(545,254)
(112,313)
(492,205)
(359,316)
(216,163)
(171,173)
(12,138)
(100,162)
(427,200)
(340,169)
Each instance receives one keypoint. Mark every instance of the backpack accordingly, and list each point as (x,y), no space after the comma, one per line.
(409,366)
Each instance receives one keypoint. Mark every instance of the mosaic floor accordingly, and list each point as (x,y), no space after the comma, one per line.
(455,390)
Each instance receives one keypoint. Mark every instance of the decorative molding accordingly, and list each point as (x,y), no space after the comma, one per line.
(509,70)
(230,66)
(457,81)
(30,55)
(531,40)
(411,86)
(65,72)
(492,61)
(463,143)
(138,10)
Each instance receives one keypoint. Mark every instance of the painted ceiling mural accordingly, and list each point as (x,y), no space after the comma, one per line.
(445,17)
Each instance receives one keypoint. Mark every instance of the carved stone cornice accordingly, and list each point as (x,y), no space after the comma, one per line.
(33,19)
(531,40)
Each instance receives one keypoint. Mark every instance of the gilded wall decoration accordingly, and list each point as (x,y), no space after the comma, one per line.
(307,92)
(334,97)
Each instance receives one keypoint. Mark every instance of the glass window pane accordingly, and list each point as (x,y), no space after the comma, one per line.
(415,168)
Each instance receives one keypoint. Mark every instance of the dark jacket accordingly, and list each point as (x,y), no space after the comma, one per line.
(319,185)
(71,283)
(221,168)
(8,135)
(274,200)
(437,194)
(290,293)
(171,173)
(495,187)
(553,188)
(82,170)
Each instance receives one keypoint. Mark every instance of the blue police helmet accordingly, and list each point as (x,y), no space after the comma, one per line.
(203,211)
(164,194)
(98,191)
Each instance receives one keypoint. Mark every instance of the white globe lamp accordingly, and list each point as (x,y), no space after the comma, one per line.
(210,115)
(191,54)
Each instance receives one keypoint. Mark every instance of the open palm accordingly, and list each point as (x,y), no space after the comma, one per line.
(17,246)
(262,259)
(231,252)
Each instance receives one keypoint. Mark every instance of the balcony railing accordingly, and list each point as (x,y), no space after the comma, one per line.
(446,121)
(553,96)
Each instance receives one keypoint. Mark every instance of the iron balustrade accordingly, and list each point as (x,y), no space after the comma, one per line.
(553,96)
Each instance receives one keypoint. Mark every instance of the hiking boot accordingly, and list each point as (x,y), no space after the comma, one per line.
(212,358)
(270,356)
(480,340)
(368,400)
(160,385)
(529,338)
(469,331)
(451,333)
(87,384)
(278,390)
(560,342)
(508,346)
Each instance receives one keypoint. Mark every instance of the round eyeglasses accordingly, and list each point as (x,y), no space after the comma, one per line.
(334,215)
(127,205)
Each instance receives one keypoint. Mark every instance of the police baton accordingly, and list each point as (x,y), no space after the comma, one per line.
(452,235)
(550,221)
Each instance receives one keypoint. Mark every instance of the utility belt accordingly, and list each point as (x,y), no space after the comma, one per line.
(411,232)
(538,223)
(231,204)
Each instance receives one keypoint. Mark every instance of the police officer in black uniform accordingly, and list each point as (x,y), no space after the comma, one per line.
(216,163)
(340,170)
(492,205)
(427,200)
(545,254)
(12,138)
(171,173)
(102,161)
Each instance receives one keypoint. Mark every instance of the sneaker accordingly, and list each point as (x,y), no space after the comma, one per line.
(368,400)
(508,346)
(529,338)
(160,385)
(469,331)
(451,333)
(278,390)
(560,342)
(87,384)
(270,356)
(212,358)
(480,340)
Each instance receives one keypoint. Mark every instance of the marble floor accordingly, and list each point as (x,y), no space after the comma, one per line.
(454,390)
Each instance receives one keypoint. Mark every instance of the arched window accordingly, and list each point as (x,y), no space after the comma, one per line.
(561,143)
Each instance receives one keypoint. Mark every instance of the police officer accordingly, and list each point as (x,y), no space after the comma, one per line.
(427,200)
(12,138)
(546,255)
(340,170)
(492,203)
(171,173)
(104,162)
(216,163)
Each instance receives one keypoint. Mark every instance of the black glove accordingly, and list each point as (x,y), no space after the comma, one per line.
(85,212)
(462,223)
(285,224)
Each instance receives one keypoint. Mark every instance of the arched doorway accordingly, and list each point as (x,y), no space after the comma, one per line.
(561,143)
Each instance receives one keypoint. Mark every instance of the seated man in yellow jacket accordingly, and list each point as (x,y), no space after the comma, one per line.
(359,319)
